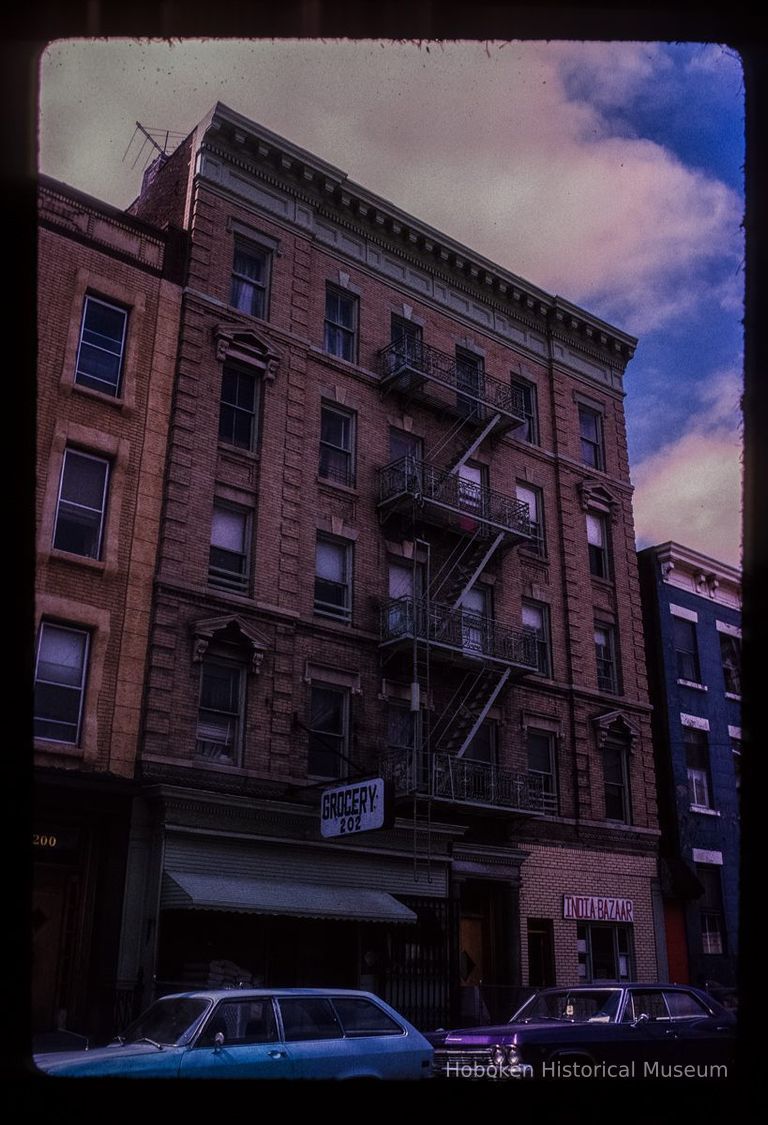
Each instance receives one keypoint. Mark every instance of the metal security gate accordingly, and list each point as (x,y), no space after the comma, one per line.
(420,979)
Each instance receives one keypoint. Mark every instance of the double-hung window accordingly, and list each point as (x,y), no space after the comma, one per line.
(469,383)
(686,649)
(532,497)
(616,780)
(605,656)
(540,745)
(238,408)
(526,394)
(337,438)
(697,765)
(101,348)
(407,338)
(62,655)
(591,432)
(333,578)
(536,622)
(340,323)
(250,279)
(230,534)
(711,905)
(82,504)
(219,721)
(484,746)
(597,545)
(328,731)
(730,654)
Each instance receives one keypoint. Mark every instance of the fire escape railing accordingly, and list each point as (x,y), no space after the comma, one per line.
(425,482)
(402,357)
(463,781)
(472,634)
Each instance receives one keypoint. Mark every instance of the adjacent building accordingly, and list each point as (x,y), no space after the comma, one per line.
(107,336)
(692,607)
(396,544)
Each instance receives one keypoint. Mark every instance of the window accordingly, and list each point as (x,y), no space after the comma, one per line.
(697,764)
(686,649)
(308,1017)
(250,279)
(536,621)
(597,540)
(605,656)
(530,430)
(219,721)
(328,732)
(736,754)
(616,781)
(82,503)
(402,444)
(730,654)
(476,612)
(101,347)
(62,655)
(401,728)
(469,381)
(540,745)
(337,430)
(362,1017)
(241,1022)
(408,338)
(333,578)
(591,430)
(340,323)
(533,498)
(484,746)
(604,952)
(228,566)
(238,411)
(405,586)
(711,904)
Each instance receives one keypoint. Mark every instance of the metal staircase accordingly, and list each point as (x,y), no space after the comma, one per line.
(454,730)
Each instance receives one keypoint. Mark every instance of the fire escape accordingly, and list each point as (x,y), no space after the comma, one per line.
(435,626)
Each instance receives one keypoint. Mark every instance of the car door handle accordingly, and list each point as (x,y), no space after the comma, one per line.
(277,1054)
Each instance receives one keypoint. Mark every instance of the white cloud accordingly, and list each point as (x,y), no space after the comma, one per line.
(691,489)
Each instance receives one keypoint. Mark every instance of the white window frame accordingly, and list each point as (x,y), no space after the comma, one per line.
(103,386)
(81,687)
(597,545)
(327,448)
(530,411)
(334,330)
(104,461)
(257,288)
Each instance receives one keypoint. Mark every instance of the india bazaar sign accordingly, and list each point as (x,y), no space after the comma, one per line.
(594,908)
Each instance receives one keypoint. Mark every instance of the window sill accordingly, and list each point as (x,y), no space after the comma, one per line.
(63,749)
(328,618)
(99,565)
(602,583)
(693,684)
(704,811)
(732,695)
(118,401)
(237,453)
(337,486)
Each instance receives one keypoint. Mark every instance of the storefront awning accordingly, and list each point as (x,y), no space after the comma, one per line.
(183,890)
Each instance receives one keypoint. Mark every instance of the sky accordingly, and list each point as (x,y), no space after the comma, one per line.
(609,174)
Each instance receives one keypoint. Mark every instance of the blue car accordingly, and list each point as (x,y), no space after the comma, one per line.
(290,1033)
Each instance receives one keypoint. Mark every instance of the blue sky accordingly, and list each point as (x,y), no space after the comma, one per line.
(608,173)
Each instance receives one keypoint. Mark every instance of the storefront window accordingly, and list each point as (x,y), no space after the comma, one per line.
(605,952)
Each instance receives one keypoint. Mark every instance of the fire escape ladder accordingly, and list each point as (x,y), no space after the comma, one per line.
(467,710)
(476,443)
(421,704)
(463,566)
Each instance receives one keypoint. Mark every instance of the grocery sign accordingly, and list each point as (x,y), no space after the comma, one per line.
(360,806)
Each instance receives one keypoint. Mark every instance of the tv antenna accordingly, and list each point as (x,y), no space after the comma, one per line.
(164,141)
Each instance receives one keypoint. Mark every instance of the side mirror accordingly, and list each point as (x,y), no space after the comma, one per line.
(642,1018)
(218,1040)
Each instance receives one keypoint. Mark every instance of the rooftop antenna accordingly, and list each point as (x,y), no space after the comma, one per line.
(150,136)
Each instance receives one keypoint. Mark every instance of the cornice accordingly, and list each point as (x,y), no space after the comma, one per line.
(334,196)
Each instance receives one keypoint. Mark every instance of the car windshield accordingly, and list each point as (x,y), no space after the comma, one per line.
(595,1005)
(168,1021)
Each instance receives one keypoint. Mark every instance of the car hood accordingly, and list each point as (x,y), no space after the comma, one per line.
(505,1032)
(101,1060)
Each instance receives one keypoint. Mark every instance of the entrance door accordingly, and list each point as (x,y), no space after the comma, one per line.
(54,898)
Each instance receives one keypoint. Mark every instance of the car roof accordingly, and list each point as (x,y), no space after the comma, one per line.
(231,993)
(618,984)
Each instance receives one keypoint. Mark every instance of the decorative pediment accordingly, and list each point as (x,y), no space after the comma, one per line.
(233,342)
(615,724)
(231,627)
(595,497)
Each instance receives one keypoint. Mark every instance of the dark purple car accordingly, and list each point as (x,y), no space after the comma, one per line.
(597,1031)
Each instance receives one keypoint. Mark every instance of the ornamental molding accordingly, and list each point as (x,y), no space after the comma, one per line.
(234,342)
(615,723)
(205,631)
(595,497)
